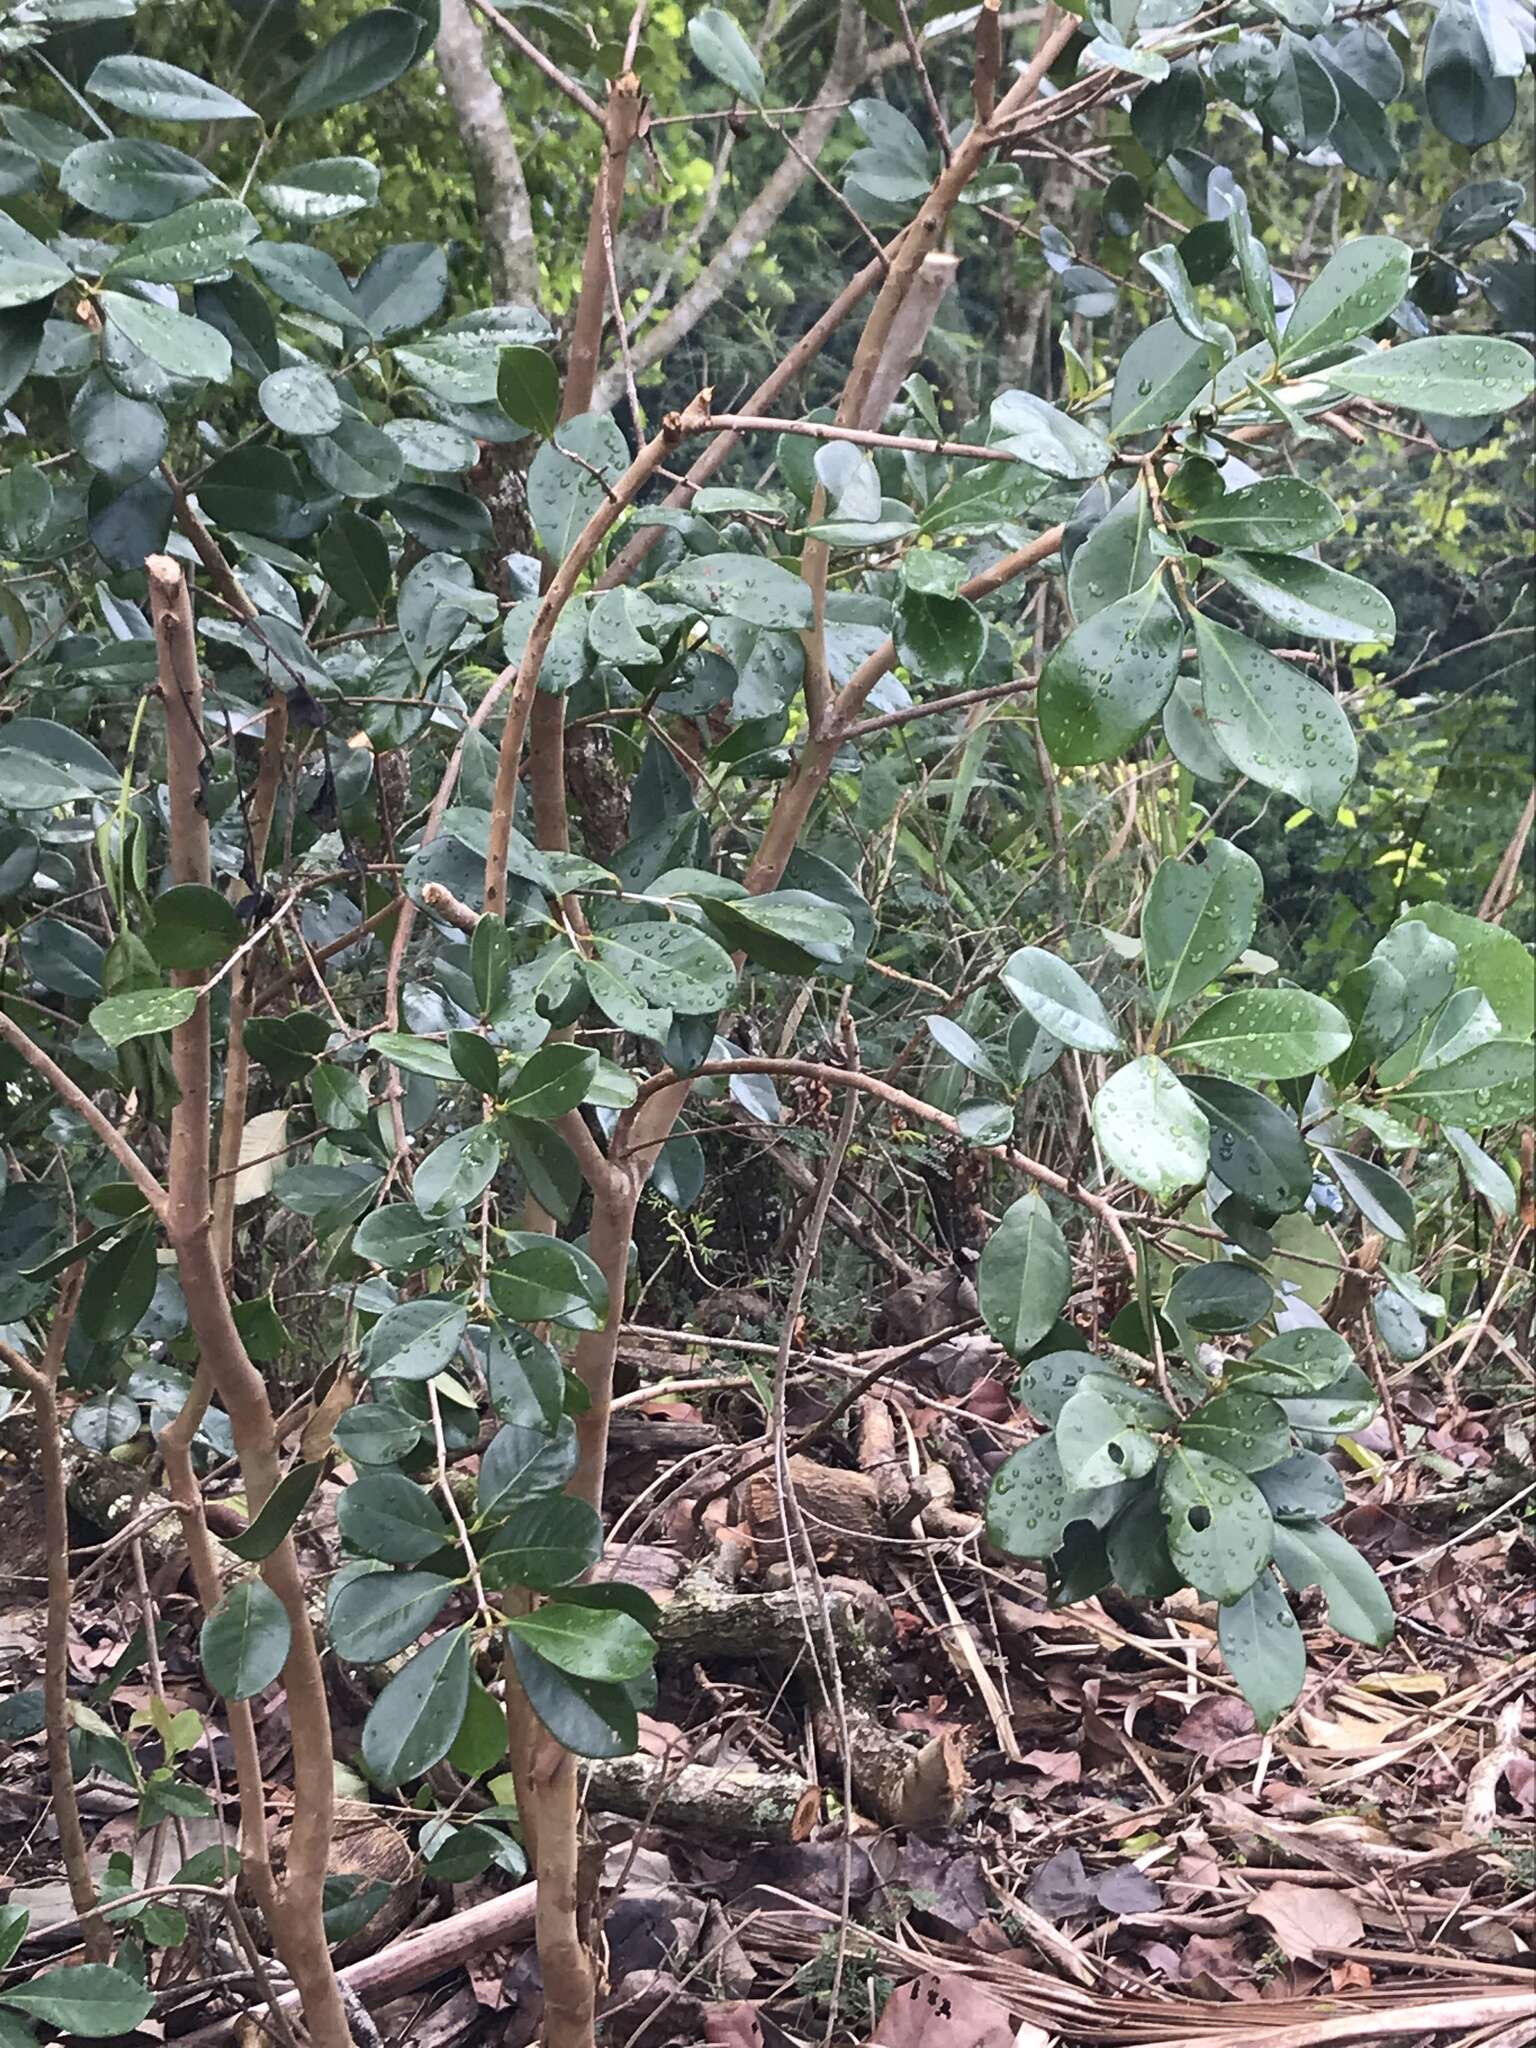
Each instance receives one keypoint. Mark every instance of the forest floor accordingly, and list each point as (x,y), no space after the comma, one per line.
(892,1795)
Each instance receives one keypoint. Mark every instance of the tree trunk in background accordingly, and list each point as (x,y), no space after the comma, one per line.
(501,191)
(758,219)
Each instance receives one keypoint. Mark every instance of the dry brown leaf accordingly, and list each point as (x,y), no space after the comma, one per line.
(1305,1919)
(1406,1685)
(942,2012)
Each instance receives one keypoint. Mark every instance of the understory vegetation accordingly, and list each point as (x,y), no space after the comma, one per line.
(765,820)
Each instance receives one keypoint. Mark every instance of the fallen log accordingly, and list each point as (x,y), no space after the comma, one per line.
(411,1961)
(899,1784)
(730,1802)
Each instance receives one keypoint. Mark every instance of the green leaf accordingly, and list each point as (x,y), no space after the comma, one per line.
(415,1719)
(1304,1361)
(181,346)
(745,587)
(544,1543)
(1197,920)
(132,180)
(1466,96)
(142,1013)
(788,930)
(589,1718)
(547,1281)
(354,559)
(1219,1297)
(1047,439)
(402,287)
(1477,212)
(457,1172)
(481,1743)
(1379,1195)
(121,438)
(1459,376)
(1220,1531)
(1117,557)
(1097,1443)
(119,1287)
(1488,958)
(1058,1000)
(586,1642)
(1256,1149)
(521,1463)
(1309,598)
(1025,1275)
(1278,514)
(551,1081)
(1107,681)
(1493,1084)
(416,1055)
(111,1419)
(28,269)
(163,92)
(387,1516)
(340,1099)
(961,1047)
(330,188)
(365,56)
(1029,1502)
(675,966)
(415,1340)
(378,1614)
(1170,113)
(301,400)
(1262,1647)
(1243,1428)
(564,490)
(1356,289)
(281,1509)
(1151,1129)
(725,53)
(1137,1546)
(939,640)
(92,2000)
(1485,1176)
(1160,376)
(200,241)
(1273,722)
(1266,1034)
(1301,1488)
(528,388)
(194,927)
(244,1643)
(1311,1554)
(44,763)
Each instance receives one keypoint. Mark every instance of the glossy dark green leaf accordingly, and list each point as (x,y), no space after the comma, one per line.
(1310,599)
(387,1516)
(1303,1361)
(367,54)
(196,242)
(1311,1554)
(92,2000)
(1097,1440)
(330,188)
(548,1281)
(1107,681)
(1492,1084)
(1378,1194)
(244,1643)
(590,1718)
(1466,97)
(119,1287)
(1219,1297)
(1161,374)
(565,489)
(1244,1429)
(354,559)
(1280,513)
(281,1509)
(415,1340)
(1220,1531)
(545,1542)
(745,587)
(458,1171)
(194,927)
(415,1719)
(584,1642)
(1117,558)
(1261,1646)
(519,1464)
(1457,375)
(1272,721)
(528,388)
(378,1614)
(1197,920)
(1030,1503)
(551,1081)
(1025,1275)
(132,180)
(1058,1000)
(1303,1487)
(180,345)
(162,92)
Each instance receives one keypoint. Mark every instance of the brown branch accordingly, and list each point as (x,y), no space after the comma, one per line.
(545,620)
(578,96)
(989,59)
(861,437)
(76,1099)
(897,1098)
(936,706)
(299,1928)
(43,1384)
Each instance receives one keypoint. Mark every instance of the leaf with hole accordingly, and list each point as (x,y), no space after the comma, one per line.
(1097,1442)
(1030,1502)
(1220,1531)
